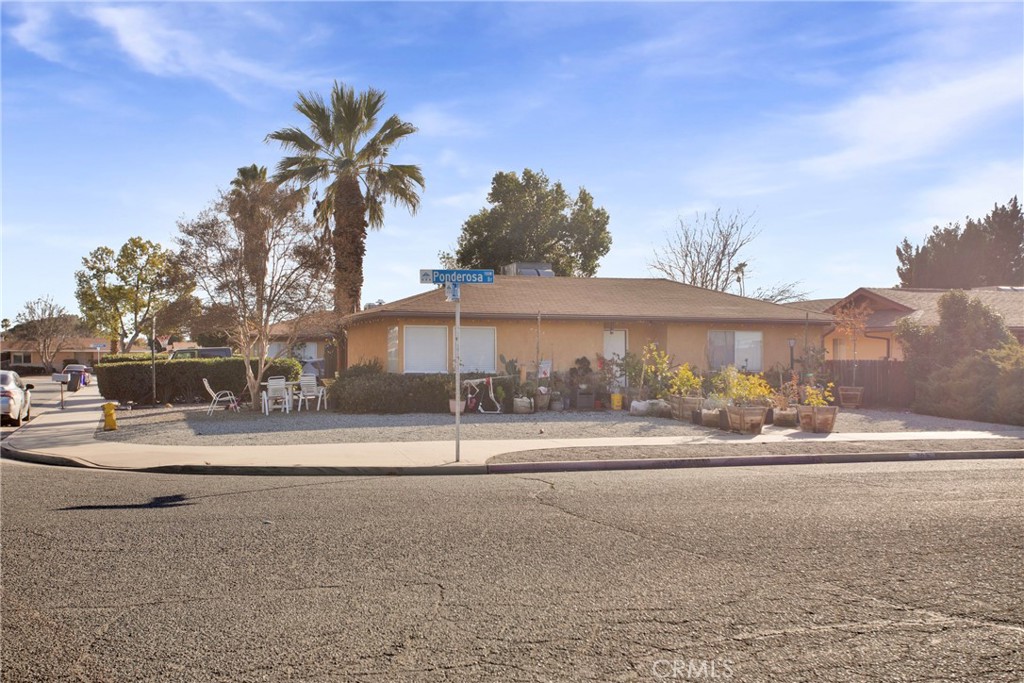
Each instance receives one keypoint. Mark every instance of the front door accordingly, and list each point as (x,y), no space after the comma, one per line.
(615,345)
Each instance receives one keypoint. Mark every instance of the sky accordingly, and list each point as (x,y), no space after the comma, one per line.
(842,128)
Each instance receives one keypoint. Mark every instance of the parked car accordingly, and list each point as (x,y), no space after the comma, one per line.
(202,352)
(84,370)
(15,398)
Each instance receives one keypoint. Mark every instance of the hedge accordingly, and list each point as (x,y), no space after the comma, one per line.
(131,357)
(181,381)
(985,386)
(368,389)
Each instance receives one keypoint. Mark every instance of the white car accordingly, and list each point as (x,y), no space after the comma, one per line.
(15,398)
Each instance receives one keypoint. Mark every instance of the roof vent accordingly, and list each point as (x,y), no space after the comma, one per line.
(529,269)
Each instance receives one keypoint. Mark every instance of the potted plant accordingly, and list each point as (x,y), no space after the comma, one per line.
(522,402)
(748,400)
(710,412)
(499,397)
(684,393)
(815,413)
(456,401)
(784,402)
(581,375)
(851,322)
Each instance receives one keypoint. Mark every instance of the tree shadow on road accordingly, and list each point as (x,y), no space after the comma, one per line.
(176,500)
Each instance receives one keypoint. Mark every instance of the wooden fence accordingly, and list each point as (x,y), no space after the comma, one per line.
(885,382)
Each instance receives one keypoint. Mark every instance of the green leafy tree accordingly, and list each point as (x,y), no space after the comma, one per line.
(120,292)
(48,327)
(982,253)
(346,152)
(260,266)
(966,325)
(532,220)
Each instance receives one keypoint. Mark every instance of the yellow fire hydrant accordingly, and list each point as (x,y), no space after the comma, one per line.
(109,419)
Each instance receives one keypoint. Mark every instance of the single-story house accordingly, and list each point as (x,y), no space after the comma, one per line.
(887,306)
(559,319)
(314,341)
(83,350)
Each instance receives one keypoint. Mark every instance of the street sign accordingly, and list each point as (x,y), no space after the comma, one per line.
(468,277)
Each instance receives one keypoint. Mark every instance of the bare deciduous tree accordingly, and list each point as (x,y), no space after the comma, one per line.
(260,263)
(706,253)
(48,327)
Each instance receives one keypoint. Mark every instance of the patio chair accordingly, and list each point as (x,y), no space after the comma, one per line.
(308,389)
(224,397)
(277,395)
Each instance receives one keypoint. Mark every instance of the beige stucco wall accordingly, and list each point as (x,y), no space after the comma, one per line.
(840,347)
(564,341)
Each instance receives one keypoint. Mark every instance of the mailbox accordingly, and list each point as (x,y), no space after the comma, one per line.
(62,378)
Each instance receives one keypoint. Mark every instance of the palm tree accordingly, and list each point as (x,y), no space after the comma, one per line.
(342,152)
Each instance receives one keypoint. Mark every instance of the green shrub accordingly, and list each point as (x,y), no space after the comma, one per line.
(181,381)
(363,389)
(985,386)
(130,357)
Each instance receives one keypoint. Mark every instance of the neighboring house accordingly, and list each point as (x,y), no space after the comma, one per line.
(889,306)
(314,340)
(560,319)
(83,350)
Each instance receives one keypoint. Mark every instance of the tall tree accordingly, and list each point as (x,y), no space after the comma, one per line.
(259,263)
(706,253)
(119,293)
(532,220)
(48,327)
(347,153)
(982,253)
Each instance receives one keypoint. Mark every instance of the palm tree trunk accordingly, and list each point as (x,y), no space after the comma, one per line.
(349,249)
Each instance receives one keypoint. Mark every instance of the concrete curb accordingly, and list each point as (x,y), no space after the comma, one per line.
(524,467)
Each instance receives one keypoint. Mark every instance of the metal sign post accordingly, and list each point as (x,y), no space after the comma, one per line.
(452,281)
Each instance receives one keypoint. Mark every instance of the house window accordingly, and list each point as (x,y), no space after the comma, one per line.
(477,349)
(21,358)
(393,349)
(742,349)
(426,348)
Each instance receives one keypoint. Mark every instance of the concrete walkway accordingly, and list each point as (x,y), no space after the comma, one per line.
(67,437)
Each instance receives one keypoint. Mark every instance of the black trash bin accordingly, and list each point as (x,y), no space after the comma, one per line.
(74,380)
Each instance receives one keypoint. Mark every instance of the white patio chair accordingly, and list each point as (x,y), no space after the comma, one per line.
(224,397)
(277,395)
(308,389)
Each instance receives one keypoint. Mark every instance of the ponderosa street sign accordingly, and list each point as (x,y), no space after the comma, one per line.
(468,277)
(451,279)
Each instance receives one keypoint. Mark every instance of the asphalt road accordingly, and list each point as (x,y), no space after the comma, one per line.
(885,572)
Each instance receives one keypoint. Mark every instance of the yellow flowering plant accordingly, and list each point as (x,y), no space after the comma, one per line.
(819,396)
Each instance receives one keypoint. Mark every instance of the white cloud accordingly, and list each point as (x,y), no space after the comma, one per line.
(33,33)
(152,41)
(437,120)
(898,123)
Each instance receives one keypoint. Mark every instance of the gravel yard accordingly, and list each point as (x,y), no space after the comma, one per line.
(190,426)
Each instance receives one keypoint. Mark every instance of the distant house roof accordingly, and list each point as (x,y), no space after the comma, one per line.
(316,325)
(890,305)
(570,298)
(815,305)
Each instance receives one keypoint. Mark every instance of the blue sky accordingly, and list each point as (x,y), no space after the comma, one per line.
(842,127)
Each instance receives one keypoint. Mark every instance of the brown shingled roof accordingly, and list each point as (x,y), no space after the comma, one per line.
(512,297)
(922,305)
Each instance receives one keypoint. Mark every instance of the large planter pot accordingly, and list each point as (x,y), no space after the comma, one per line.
(817,419)
(746,419)
(556,405)
(786,417)
(452,404)
(709,418)
(522,406)
(542,401)
(683,406)
(584,401)
(851,397)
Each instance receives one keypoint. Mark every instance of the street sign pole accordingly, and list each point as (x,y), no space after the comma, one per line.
(452,279)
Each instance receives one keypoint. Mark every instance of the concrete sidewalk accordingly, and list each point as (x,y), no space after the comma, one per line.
(67,437)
